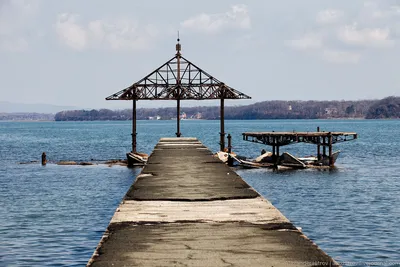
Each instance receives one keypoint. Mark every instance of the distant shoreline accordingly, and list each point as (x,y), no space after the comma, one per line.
(326,119)
(387,108)
(370,109)
(27,120)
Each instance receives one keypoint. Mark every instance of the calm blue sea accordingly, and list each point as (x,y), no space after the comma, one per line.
(56,215)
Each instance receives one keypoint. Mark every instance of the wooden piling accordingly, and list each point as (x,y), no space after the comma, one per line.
(274,148)
(318,145)
(331,163)
(230,159)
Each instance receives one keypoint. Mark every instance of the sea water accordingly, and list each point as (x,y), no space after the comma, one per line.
(55,215)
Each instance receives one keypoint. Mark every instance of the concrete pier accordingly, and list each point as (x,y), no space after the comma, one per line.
(187,208)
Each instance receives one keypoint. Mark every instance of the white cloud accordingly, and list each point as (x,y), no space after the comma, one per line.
(372,37)
(16,44)
(122,34)
(236,18)
(395,10)
(16,20)
(329,16)
(341,38)
(388,13)
(115,34)
(376,12)
(71,33)
(306,42)
(337,56)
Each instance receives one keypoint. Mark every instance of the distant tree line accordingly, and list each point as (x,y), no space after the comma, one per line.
(371,109)
(387,108)
(25,116)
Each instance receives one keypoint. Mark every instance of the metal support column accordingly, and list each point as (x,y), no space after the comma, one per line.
(178,89)
(222,133)
(178,118)
(134,127)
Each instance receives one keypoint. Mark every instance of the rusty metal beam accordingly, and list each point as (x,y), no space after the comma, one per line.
(287,138)
(165,83)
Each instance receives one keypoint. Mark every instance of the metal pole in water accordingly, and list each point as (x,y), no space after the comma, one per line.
(44,160)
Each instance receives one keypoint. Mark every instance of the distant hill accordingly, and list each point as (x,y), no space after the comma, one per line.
(387,108)
(260,110)
(26,117)
(8,107)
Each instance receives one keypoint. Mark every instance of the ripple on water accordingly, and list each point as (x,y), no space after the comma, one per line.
(56,215)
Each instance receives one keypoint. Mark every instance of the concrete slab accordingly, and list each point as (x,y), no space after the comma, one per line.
(187,208)
(180,139)
(207,244)
(182,173)
(256,211)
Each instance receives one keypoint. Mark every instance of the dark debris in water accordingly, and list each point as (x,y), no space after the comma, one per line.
(110,163)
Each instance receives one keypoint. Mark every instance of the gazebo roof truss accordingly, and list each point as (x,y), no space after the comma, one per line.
(173,82)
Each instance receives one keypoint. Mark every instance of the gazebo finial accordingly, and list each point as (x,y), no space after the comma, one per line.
(178,46)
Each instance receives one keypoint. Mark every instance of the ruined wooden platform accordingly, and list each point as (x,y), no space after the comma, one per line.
(286,138)
(187,208)
(326,140)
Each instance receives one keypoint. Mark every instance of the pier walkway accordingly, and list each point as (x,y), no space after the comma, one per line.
(187,208)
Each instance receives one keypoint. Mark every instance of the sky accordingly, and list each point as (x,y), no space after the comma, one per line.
(76,53)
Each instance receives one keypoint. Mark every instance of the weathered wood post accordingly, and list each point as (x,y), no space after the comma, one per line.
(44,159)
(331,163)
(273,147)
(230,159)
(318,145)
(275,153)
